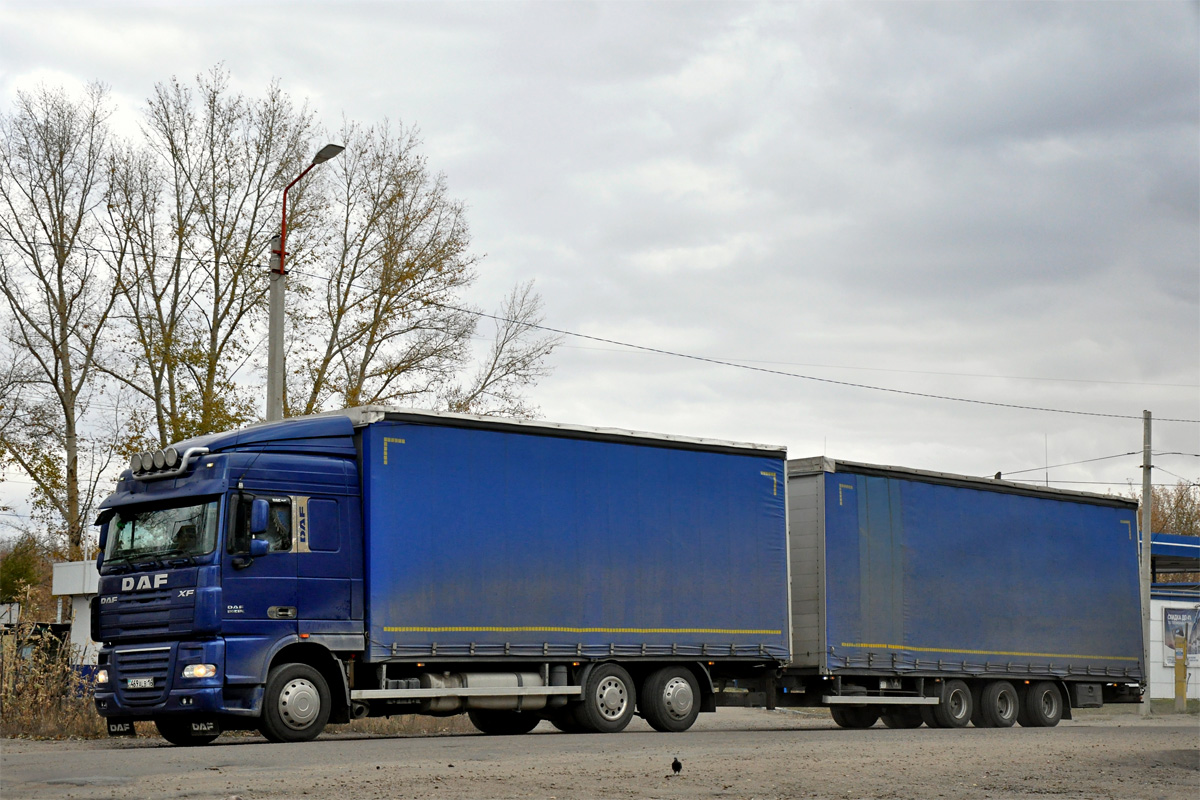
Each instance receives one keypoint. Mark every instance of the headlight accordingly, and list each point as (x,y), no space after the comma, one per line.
(200,671)
(101,676)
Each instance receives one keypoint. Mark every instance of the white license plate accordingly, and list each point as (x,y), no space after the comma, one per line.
(141,683)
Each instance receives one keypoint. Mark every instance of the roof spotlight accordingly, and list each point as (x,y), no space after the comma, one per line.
(135,462)
(171,456)
(147,462)
(160,460)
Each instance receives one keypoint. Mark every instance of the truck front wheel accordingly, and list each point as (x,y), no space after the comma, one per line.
(296,704)
(670,699)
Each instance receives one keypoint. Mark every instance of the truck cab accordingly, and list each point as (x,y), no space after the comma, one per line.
(222,559)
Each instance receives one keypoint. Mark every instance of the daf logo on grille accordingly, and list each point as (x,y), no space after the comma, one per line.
(143,582)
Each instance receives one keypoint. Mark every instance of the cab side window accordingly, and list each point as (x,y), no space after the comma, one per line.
(279,524)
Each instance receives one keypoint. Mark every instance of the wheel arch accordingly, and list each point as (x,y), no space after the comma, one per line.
(325,662)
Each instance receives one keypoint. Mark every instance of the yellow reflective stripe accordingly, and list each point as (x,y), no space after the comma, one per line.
(540,629)
(986,652)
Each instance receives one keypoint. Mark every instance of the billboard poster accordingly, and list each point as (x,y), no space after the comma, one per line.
(1183,622)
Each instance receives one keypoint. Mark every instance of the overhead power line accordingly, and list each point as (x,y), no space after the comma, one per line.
(746,367)
(1069,463)
(783,373)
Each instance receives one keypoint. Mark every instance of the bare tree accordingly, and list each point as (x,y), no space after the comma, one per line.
(198,206)
(515,359)
(57,292)
(388,324)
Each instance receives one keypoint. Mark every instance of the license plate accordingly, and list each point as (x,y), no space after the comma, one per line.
(141,683)
(121,729)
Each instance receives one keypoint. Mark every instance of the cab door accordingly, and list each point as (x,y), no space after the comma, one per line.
(259,593)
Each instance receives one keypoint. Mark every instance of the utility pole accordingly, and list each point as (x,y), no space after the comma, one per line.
(1147,500)
(275,333)
(275,367)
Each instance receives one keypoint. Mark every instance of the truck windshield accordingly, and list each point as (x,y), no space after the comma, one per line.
(152,533)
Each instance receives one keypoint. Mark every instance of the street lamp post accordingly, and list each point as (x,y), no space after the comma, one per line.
(275,367)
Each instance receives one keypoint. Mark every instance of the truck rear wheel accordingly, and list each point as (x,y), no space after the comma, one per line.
(178,731)
(502,723)
(565,720)
(854,717)
(928,717)
(608,700)
(1042,706)
(902,717)
(998,705)
(670,699)
(296,704)
(955,709)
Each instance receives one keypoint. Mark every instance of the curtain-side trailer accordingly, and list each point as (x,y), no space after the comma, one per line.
(925,597)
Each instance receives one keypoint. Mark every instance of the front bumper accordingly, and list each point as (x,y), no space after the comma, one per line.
(146,681)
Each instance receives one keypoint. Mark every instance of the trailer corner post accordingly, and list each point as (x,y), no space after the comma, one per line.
(1147,501)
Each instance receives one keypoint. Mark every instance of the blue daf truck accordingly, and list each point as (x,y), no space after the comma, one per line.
(380,561)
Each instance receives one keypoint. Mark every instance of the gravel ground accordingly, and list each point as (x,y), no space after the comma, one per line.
(736,753)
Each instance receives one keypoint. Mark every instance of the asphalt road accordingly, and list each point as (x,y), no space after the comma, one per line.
(732,754)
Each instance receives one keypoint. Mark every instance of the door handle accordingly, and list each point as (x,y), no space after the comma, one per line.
(281,612)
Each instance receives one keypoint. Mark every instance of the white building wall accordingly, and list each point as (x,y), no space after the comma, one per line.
(1162,674)
(79,581)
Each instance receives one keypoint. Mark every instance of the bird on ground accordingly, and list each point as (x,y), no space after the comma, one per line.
(676,765)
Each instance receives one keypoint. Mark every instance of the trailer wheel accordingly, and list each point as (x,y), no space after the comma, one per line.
(502,723)
(608,700)
(669,699)
(998,705)
(179,732)
(955,709)
(902,717)
(854,717)
(1042,706)
(296,704)
(928,717)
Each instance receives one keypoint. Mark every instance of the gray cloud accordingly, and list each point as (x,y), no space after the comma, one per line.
(1004,189)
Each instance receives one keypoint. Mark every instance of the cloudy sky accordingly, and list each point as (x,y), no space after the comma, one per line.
(991,201)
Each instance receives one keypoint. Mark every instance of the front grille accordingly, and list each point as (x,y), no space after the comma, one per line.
(144,614)
(140,663)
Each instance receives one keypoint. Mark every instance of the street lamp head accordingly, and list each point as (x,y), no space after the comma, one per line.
(327,152)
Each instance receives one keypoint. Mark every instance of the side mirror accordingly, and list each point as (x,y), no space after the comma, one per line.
(103,536)
(259,547)
(260,513)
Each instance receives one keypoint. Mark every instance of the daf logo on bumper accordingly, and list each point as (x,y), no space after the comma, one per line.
(143,582)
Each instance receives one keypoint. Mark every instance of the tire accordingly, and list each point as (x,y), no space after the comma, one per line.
(901,717)
(670,699)
(977,706)
(178,731)
(608,700)
(502,723)
(955,709)
(854,717)
(565,721)
(1041,706)
(296,704)
(927,716)
(998,705)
